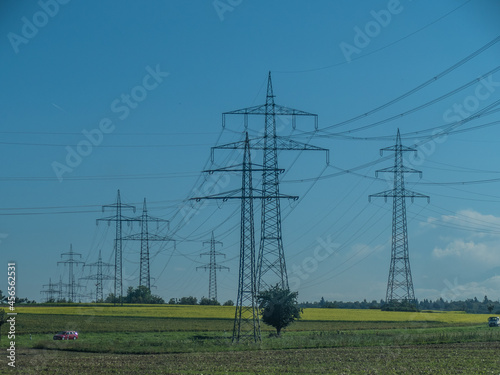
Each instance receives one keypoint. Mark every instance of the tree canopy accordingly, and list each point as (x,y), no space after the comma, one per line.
(279,307)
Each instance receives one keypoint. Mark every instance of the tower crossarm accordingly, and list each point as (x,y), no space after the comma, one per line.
(118,205)
(279,110)
(263,110)
(96,277)
(402,169)
(209,267)
(122,218)
(395,194)
(282,143)
(239,168)
(98,264)
(151,237)
(227,195)
(398,148)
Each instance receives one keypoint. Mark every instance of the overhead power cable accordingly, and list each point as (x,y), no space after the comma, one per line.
(422,106)
(381,48)
(415,133)
(419,87)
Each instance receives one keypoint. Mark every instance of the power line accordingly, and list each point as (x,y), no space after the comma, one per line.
(381,48)
(422,106)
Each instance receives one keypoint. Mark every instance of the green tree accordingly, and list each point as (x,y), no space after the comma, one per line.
(188,301)
(279,307)
(229,303)
(142,294)
(111,298)
(206,301)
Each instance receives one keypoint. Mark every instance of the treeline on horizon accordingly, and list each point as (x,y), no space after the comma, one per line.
(470,305)
(142,295)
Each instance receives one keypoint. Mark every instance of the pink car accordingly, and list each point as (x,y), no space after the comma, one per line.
(66,335)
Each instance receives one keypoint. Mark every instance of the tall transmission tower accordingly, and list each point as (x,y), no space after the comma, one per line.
(118,218)
(99,276)
(71,261)
(51,293)
(212,267)
(145,237)
(271,265)
(400,284)
(246,321)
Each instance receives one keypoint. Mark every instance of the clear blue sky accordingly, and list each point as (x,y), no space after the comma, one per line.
(149,81)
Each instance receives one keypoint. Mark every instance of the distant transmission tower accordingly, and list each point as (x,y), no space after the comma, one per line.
(118,219)
(51,293)
(72,285)
(400,284)
(212,267)
(99,276)
(145,237)
(271,266)
(60,286)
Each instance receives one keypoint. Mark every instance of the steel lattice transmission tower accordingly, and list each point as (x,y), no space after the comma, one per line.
(60,286)
(99,277)
(51,292)
(145,237)
(118,219)
(246,321)
(400,284)
(72,285)
(271,265)
(212,267)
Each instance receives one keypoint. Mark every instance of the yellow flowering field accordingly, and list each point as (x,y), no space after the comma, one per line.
(156,311)
(227,312)
(392,316)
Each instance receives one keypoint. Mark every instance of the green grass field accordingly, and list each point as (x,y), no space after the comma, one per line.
(197,339)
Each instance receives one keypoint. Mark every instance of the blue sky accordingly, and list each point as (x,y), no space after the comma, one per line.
(148,81)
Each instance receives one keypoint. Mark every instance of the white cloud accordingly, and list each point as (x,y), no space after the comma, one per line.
(429,223)
(478,242)
(480,225)
(470,251)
